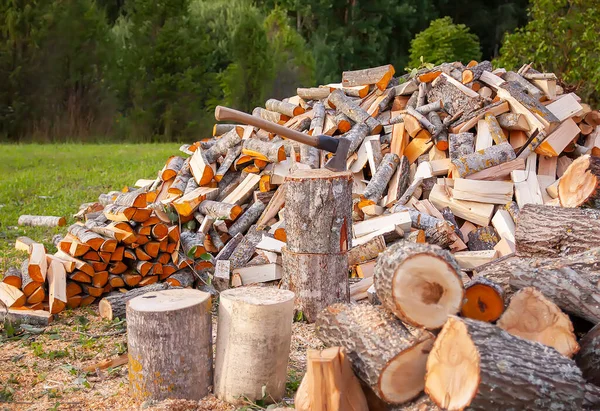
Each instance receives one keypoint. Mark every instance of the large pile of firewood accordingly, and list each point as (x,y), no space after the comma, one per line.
(469,184)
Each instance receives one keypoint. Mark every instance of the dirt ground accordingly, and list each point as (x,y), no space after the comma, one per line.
(42,368)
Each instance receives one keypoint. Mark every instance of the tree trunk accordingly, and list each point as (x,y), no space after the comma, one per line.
(41,221)
(423,297)
(317,280)
(387,355)
(114,305)
(37,318)
(588,358)
(318,212)
(380,180)
(578,185)
(253,343)
(547,231)
(480,366)
(532,316)
(177,320)
(480,160)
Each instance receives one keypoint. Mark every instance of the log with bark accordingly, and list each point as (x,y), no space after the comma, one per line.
(178,319)
(342,103)
(578,185)
(419,283)
(114,305)
(588,358)
(477,161)
(480,366)
(386,354)
(41,221)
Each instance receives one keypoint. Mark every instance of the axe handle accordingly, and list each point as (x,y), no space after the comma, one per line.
(228,114)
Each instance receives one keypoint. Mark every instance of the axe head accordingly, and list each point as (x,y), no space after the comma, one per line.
(339,160)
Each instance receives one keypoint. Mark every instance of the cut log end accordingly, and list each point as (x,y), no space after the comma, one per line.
(453,367)
(484,300)
(579,183)
(532,316)
(398,386)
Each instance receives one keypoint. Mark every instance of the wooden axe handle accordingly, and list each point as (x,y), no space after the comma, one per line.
(228,114)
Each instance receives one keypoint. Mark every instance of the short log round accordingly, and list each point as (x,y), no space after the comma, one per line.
(170,345)
(253,343)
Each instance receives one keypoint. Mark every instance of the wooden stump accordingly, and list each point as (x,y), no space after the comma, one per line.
(387,355)
(481,366)
(547,231)
(419,283)
(318,280)
(532,316)
(253,343)
(170,345)
(318,211)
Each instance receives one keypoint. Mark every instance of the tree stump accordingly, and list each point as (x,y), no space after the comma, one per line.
(170,345)
(318,280)
(318,211)
(253,343)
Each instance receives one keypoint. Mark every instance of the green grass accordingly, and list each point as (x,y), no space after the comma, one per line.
(54,179)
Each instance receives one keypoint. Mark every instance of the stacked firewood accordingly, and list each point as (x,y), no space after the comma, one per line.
(467,195)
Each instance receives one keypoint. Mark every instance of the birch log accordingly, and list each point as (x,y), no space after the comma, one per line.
(41,221)
(177,319)
(253,343)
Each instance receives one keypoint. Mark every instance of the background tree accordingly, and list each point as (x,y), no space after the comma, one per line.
(444,41)
(562,37)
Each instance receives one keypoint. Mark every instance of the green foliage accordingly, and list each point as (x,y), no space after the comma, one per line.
(562,37)
(444,41)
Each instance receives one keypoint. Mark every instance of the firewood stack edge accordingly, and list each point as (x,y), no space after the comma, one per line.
(475,239)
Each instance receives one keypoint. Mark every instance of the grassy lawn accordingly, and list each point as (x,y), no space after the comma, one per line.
(55,179)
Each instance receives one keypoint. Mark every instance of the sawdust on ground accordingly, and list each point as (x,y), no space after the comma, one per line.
(42,368)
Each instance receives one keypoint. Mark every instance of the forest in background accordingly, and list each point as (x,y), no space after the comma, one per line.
(147,70)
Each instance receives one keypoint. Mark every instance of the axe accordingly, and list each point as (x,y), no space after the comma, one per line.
(338,146)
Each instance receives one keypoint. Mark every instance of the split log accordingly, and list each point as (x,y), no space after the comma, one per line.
(484,300)
(514,93)
(57,287)
(230,157)
(249,217)
(114,305)
(420,296)
(473,73)
(494,129)
(169,171)
(223,144)
(554,231)
(245,249)
(12,276)
(41,221)
(381,178)
(182,323)
(273,152)
(441,133)
(461,145)
(342,103)
(318,212)
(367,251)
(532,316)
(455,96)
(221,277)
(379,76)
(481,160)
(289,109)
(219,211)
(578,185)
(230,247)
(317,280)
(478,365)
(192,243)
(529,88)
(387,355)
(220,129)
(38,265)
(200,166)
(24,243)
(183,278)
(588,358)
(137,198)
(11,297)
(400,181)
(329,383)
(253,343)
(314,93)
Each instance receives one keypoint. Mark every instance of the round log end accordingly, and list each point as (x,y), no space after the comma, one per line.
(452,376)
(442,145)
(168,300)
(484,300)
(258,295)
(344,126)
(398,386)
(579,183)
(298,110)
(317,174)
